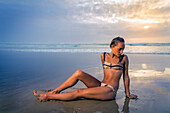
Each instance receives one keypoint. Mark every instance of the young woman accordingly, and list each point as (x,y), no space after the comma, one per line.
(114,65)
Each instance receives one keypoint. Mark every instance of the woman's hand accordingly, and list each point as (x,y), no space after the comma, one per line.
(132,96)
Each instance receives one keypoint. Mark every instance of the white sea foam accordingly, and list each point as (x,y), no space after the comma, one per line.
(135,48)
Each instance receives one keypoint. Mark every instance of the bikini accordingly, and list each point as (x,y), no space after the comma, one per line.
(117,66)
(107,65)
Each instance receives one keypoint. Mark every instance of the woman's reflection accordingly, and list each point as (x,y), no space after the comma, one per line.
(86,106)
(126,106)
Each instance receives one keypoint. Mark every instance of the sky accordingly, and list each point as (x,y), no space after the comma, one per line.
(84,21)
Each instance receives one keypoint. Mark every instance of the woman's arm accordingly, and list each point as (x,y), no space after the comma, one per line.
(102,57)
(126,79)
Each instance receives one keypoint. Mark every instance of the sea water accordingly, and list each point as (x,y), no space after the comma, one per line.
(131,48)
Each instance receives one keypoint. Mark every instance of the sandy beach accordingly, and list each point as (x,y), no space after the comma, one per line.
(22,72)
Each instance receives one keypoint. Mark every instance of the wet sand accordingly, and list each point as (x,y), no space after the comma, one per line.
(22,72)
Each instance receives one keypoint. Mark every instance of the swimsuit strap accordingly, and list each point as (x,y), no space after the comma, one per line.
(121,58)
(104,55)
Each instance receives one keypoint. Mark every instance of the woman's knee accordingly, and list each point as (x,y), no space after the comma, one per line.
(78,93)
(78,73)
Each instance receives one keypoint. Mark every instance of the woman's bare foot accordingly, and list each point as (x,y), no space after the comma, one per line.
(40,96)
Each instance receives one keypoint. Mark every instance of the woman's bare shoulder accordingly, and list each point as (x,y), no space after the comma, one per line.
(103,53)
(125,57)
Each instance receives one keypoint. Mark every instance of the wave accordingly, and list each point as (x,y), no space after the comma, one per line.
(87,50)
(131,48)
(7,44)
(148,44)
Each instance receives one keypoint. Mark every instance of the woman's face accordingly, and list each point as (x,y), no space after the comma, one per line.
(118,50)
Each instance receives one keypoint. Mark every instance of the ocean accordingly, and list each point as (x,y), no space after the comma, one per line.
(131,48)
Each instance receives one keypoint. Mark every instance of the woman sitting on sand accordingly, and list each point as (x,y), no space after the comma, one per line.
(114,65)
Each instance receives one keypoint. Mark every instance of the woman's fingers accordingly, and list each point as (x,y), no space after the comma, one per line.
(132,96)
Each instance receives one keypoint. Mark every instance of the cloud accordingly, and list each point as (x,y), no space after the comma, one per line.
(113,11)
(83,20)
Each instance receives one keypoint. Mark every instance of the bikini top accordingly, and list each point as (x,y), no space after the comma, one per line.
(108,65)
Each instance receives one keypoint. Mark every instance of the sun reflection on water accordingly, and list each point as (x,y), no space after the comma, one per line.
(145,73)
(148,72)
(167,71)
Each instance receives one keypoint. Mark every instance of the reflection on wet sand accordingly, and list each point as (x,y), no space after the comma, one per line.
(144,66)
(145,73)
(126,106)
(167,70)
(148,73)
(88,106)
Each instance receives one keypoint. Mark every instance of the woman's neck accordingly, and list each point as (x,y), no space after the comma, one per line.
(112,54)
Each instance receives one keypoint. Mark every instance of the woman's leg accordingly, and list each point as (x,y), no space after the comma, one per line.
(87,79)
(101,93)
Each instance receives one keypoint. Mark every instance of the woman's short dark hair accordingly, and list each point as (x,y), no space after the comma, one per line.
(115,41)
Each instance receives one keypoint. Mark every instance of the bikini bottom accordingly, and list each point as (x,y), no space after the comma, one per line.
(106,85)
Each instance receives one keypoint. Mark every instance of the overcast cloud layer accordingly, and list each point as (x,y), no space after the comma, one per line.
(58,21)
